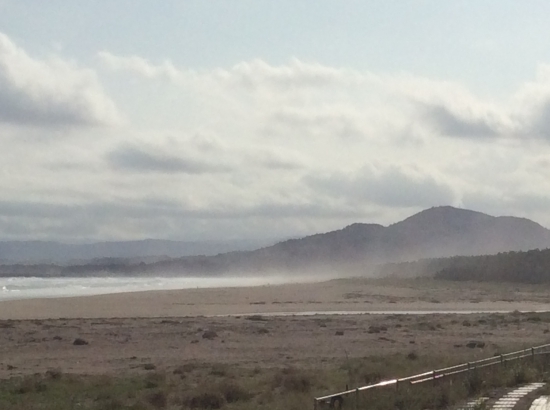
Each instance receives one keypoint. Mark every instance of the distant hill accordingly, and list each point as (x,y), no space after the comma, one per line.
(148,250)
(434,233)
(447,231)
(356,249)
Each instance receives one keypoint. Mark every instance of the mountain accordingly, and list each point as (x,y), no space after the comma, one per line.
(436,232)
(447,231)
(148,250)
(358,248)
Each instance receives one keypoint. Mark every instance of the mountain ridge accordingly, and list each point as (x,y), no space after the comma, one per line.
(36,251)
(437,232)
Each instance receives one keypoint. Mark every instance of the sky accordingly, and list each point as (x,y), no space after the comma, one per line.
(251,119)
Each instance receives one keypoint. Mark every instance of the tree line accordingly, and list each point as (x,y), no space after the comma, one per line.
(528,267)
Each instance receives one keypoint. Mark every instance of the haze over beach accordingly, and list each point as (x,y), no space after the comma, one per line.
(249,204)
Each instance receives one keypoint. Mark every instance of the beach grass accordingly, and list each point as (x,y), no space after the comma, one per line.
(195,385)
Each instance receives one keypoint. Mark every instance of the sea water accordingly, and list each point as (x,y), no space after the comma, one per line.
(34,287)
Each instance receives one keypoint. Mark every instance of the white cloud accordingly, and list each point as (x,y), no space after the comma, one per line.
(287,149)
(312,98)
(323,95)
(532,104)
(142,67)
(50,91)
(255,74)
(258,74)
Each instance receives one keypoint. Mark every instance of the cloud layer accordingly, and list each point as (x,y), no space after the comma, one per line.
(442,108)
(254,149)
(51,91)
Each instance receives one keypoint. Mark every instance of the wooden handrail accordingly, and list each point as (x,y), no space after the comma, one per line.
(442,373)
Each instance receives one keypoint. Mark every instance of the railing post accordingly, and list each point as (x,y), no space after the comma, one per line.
(314,404)
(356,398)
(533,354)
(397,385)
(502,360)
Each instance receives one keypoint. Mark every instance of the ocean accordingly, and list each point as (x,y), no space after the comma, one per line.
(27,288)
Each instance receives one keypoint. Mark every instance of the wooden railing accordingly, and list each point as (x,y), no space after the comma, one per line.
(338,399)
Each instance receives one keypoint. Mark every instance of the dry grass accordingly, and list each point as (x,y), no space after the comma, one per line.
(204,387)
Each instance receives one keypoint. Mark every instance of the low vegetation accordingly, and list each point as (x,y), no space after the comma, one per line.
(264,362)
(195,385)
(491,382)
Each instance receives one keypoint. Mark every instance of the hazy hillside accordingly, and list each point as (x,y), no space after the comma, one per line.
(356,249)
(148,250)
(435,232)
(447,231)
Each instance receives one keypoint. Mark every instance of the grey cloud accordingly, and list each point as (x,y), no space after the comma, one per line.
(49,92)
(280,164)
(33,209)
(528,117)
(276,160)
(483,201)
(301,123)
(149,160)
(508,203)
(153,208)
(155,218)
(309,210)
(531,202)
(392,187)
(540,122)
(17,108)
(451,124)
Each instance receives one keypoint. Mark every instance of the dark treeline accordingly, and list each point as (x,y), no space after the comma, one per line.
(527,267)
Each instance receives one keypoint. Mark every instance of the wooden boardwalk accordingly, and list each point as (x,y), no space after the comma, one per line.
(542,403)
(510,399)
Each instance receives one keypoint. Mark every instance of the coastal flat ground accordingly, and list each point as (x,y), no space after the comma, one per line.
(164,330)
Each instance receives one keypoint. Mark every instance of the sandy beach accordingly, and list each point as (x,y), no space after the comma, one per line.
(167,328)
(339,295)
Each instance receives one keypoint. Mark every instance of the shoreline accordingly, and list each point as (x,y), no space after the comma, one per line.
(293,325)
(332,297)
(83,286)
